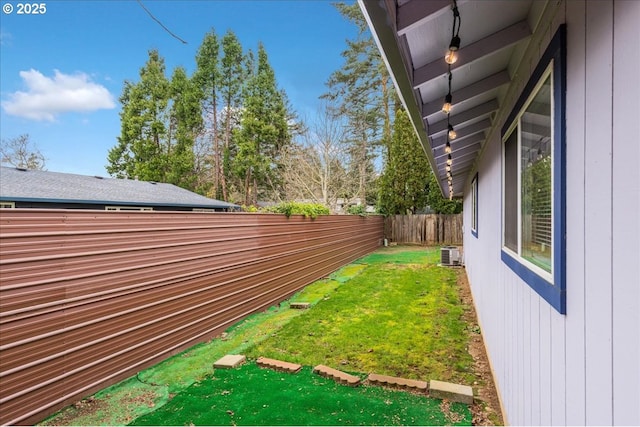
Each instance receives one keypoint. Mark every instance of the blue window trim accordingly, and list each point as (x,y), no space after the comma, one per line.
(553,293)
(475,209)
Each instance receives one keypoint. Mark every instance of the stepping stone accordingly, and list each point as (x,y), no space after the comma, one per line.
(230,361)
(278,365)
(300,305)
(338,376)
(402,383)
(453,392)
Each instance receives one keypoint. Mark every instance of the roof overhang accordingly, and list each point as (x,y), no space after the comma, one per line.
(414,35)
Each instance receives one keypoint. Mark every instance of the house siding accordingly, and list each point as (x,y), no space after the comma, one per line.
(581,368)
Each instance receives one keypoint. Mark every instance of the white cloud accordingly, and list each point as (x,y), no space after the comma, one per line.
(47,97)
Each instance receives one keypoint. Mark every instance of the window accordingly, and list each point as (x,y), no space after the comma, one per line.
(528,178)
(533,179)
(474,206)
(7,205)
(127,208)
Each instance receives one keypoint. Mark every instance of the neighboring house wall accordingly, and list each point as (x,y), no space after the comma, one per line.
(89,298)
(582,367)
(94,206)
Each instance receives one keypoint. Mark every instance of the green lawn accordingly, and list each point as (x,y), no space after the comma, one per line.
(400,316)
(254,396)
(394,312)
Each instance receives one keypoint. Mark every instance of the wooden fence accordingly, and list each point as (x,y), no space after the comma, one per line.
(88,298)
(432,229)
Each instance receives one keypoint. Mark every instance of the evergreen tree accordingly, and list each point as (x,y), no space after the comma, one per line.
(263,133)
(437,202)
(142,147)
(159,122)
(363,93)
(404,183)
(186,124)
(207,77)
(232,76)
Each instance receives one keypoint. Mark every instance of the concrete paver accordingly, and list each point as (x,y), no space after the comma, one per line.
(278,365)
(336,375)
(396,382)
(230,361)
(299,305)
(453,392)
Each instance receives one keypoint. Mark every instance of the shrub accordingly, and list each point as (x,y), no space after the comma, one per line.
(357,210)
(311,210)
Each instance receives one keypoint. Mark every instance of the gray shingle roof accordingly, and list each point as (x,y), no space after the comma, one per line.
(56,187)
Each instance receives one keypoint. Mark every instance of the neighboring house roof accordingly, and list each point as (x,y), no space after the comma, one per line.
(55,187)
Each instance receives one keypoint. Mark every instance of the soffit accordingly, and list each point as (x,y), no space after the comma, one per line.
(413,36)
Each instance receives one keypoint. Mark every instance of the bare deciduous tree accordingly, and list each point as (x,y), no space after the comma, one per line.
(316,166)
(21,152)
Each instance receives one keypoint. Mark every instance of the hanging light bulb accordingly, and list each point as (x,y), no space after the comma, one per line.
(450,195)
(452,133)
(449,160)
(449,174)
(447,147)
(448,168)
(446,107)
(452,54)
(451,57)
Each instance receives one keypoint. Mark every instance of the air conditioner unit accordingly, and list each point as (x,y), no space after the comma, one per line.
(450,255)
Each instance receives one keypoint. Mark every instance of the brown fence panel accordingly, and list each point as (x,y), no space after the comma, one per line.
(431,229)
(88,298)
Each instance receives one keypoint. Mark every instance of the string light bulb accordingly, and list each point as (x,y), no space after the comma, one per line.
(452,54)
(449,160)
(448,168)
(451,57)
(447,147)
(452,135)
(446,107)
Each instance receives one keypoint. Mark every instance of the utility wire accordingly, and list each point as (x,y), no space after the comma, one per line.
(160,23)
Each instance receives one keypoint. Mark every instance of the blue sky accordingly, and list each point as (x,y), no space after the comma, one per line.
(61,72)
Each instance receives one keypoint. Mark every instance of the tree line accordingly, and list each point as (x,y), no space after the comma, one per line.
(218,132)
(228,132)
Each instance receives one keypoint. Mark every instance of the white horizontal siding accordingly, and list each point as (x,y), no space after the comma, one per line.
(582,367)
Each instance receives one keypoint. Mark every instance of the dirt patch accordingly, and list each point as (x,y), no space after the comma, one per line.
(486,407)
(98,411)
(83,408)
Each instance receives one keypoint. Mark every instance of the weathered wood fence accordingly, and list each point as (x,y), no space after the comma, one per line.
(430,229)
(88,298)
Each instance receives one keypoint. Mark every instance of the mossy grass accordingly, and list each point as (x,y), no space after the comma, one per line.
(400,316)
(394,312)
